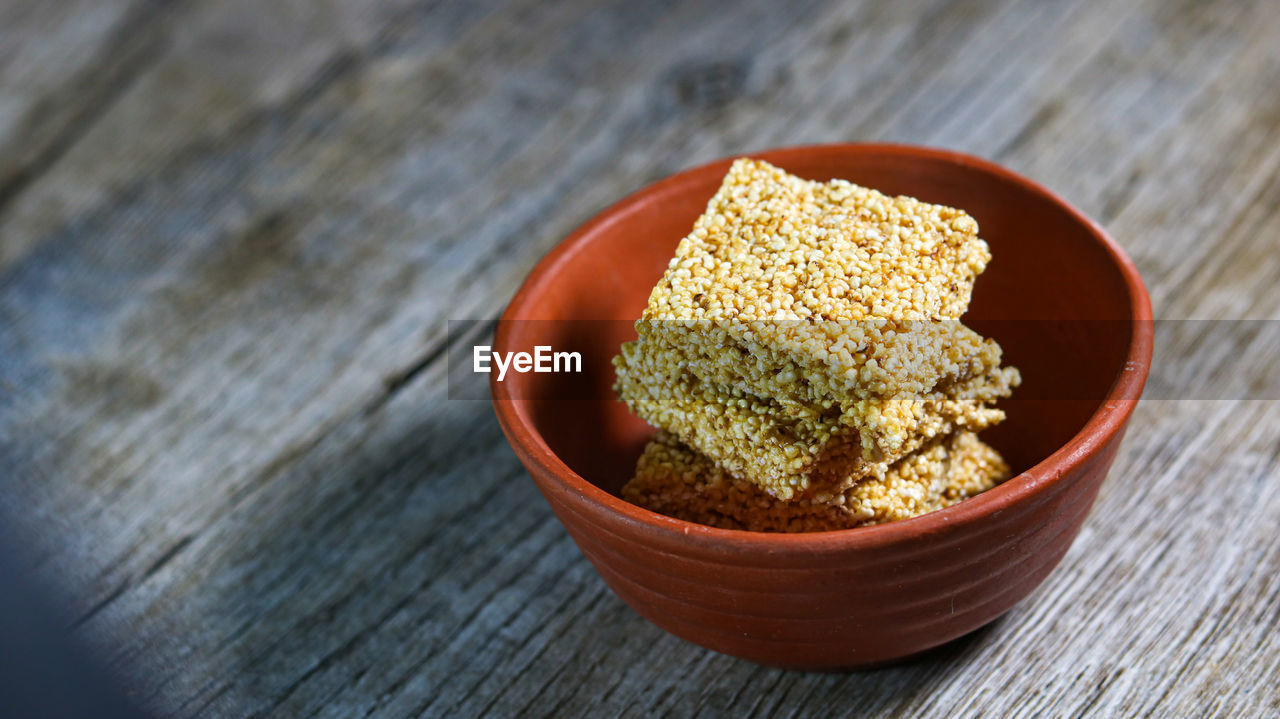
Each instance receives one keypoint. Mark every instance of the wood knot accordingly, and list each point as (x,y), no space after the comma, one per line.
(709,84)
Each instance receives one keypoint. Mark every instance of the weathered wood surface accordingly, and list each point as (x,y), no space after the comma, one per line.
(231,233)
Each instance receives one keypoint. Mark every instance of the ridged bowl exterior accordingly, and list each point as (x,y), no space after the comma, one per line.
(846,605)
(833,600)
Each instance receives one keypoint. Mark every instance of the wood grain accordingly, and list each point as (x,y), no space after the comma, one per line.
(231,235)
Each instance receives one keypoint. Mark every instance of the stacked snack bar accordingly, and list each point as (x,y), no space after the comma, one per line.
(678,481)
(804,356)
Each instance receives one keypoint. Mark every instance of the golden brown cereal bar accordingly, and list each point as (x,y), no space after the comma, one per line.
(774,246)
(820,277)
(677,481)
(784,452)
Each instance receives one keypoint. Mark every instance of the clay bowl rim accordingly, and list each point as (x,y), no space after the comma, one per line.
(1102,427)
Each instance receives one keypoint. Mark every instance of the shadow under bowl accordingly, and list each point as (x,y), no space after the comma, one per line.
(1060,296)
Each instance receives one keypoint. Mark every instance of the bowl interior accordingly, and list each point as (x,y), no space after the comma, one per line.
(1053,297)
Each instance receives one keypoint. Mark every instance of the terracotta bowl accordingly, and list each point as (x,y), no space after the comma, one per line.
(1060,296)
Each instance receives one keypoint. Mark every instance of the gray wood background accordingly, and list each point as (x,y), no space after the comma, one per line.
(231,233)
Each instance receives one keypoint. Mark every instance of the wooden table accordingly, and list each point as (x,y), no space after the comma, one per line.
(231,234)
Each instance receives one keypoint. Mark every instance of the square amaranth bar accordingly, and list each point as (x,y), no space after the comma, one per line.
(789,454)
(675,480)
